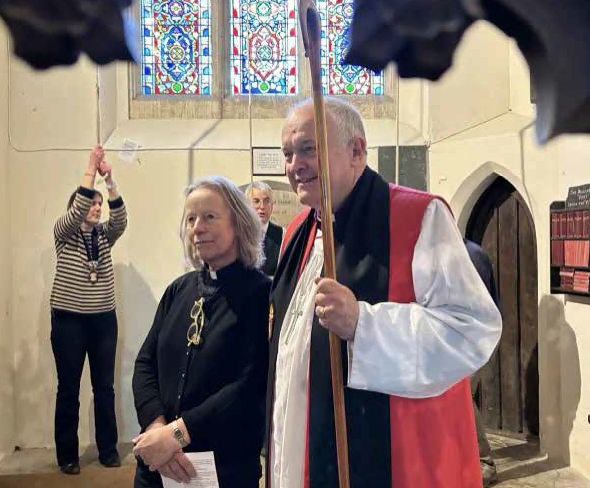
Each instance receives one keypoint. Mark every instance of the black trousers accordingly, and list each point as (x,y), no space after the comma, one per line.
(485,452)
(73,335)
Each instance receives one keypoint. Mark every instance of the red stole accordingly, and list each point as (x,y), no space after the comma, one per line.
(433,440)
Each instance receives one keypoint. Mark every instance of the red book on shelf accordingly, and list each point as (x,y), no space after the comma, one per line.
(563,224)
(557,252)
(586,223)
(571,228)
(566,276)
(578,223)
(581,280)
(568,253)
(554,224)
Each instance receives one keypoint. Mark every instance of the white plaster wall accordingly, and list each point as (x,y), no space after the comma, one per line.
(414,109)
(107,97)
(6,350)
(476,88)
(575,360)
(62,115)
(520,82)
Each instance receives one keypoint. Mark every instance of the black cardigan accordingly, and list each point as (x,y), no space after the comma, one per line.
(218,387)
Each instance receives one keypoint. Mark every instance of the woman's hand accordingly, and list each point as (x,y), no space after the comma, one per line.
(94,161)
(105,169)
(179,468)
(96,158)
(159,422)
(156,446)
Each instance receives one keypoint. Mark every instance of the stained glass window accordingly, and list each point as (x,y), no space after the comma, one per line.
(176,47)
(339,78)
(264,47)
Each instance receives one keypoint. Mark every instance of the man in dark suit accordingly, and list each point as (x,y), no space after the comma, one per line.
(484,268)
(261,198)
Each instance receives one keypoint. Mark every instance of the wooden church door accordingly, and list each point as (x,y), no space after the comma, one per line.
(508,391)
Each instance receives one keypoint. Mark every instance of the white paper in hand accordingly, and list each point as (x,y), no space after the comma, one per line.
(128,151)
(204,464)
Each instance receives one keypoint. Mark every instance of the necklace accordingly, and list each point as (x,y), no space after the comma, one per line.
(193,334)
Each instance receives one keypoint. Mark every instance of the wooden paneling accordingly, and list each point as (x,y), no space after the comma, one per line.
(529,376)
(508,287)
(490,375)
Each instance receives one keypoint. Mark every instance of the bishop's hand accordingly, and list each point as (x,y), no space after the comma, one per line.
(337,308)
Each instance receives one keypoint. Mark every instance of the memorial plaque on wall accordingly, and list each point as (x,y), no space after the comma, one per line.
(386,163)
(413,169)
(268,161)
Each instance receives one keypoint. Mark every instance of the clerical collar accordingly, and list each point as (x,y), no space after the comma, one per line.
(341,214)
(224,273)
(318,218)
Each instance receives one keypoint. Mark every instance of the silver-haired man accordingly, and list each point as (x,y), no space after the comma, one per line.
(261,197)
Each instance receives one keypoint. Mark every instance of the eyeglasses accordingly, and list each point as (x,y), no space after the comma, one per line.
(193,334)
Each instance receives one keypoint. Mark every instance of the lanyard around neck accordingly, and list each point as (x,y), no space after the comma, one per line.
(92,248)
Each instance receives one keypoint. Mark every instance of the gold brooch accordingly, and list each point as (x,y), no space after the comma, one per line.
(271,319)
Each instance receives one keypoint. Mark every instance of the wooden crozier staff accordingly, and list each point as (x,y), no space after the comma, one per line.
(309,21)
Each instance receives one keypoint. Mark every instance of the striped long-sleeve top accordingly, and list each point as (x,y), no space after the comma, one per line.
(72,290)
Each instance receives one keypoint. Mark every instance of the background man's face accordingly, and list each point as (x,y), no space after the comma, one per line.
(262,204)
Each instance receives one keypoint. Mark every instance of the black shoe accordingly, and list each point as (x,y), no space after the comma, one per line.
(111,461)
(70,468)
(489,474)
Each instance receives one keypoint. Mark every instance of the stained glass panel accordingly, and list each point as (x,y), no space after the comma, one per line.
(264,47)
(176,47)
(338,78)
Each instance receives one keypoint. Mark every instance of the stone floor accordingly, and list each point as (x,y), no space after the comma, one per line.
(519,466)
(35,468)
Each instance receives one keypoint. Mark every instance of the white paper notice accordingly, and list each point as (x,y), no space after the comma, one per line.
(204,464)
(128,151)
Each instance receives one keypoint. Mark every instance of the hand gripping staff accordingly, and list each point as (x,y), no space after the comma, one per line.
(310,29)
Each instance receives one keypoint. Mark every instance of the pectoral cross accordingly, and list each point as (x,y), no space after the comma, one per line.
(303,290)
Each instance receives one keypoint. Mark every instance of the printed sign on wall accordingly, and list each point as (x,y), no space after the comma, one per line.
(268,161)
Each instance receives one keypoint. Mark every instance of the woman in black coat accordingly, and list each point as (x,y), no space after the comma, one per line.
(200,377)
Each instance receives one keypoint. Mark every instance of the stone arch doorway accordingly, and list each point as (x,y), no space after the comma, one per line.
(508,388)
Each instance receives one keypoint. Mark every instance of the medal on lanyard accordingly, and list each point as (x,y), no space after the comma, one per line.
(92,255)
(93,271)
